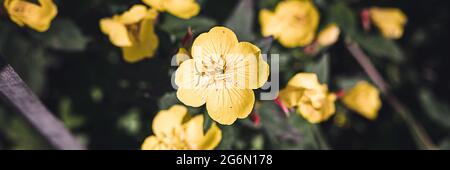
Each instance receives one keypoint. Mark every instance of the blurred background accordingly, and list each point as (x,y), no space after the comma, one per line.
(109,104)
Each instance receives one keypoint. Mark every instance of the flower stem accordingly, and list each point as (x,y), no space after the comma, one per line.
(18,96)
(421,137)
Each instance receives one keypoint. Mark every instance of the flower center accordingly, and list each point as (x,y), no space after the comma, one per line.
(133,32)
(214,73)
(176,140)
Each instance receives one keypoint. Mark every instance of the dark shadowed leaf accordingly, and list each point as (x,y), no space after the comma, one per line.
(343,16)
(241,20)
(63,35)
(168,100)
(177,27)
(280,133)
(228,137)
(438,111)
(207,122)
(380,47)
(321,68)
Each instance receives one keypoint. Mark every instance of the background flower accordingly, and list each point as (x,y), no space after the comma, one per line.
(175,130)
(184,9)
(390,21)
(293,23)
(364,99)
(133,31)
(312,99)
(37,16)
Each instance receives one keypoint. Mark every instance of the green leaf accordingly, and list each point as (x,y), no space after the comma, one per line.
(228,137)
(280,134)
(269,4)
(343,16)
(321,68)
(265,44)
(308,138)
(380,47)
(168,100)
(207,122)
(438,111)
(65,35)
(27,57)
(177,27)
(241,20)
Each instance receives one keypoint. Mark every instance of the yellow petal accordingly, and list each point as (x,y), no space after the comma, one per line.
(38,17)
(192,97)
(166,120)
(184,9)
(390,21)
(329,35)
(116,31)
(293,23)
(265,20)
(364,99)
(317,115)
(218,42)
(196,138)
(150,143)
(304,80)
(291,38)
(146,46)
(182,55)
(226,105)
(135,14)
(156,4)
(212,138)
(152,14)
(187,79)
(290,96)
(246,63)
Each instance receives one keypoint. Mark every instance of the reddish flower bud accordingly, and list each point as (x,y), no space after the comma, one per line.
(256,119)
(365,19)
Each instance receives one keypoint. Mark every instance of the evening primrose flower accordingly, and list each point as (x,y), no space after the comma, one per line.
(364,99)
(182,55)
(293,23)
(312,99)
(36,16)
(329,35)
(390,21)
(184,9)
(222,74)
(133,31)
(174,129)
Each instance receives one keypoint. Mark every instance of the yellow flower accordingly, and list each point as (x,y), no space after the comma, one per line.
(312,99)
(364,99)
(293,23)
(390,21)
(37,16)
(174,129)
(222,74)
(184,9)
(329,35)
(182,55)
(133,31)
